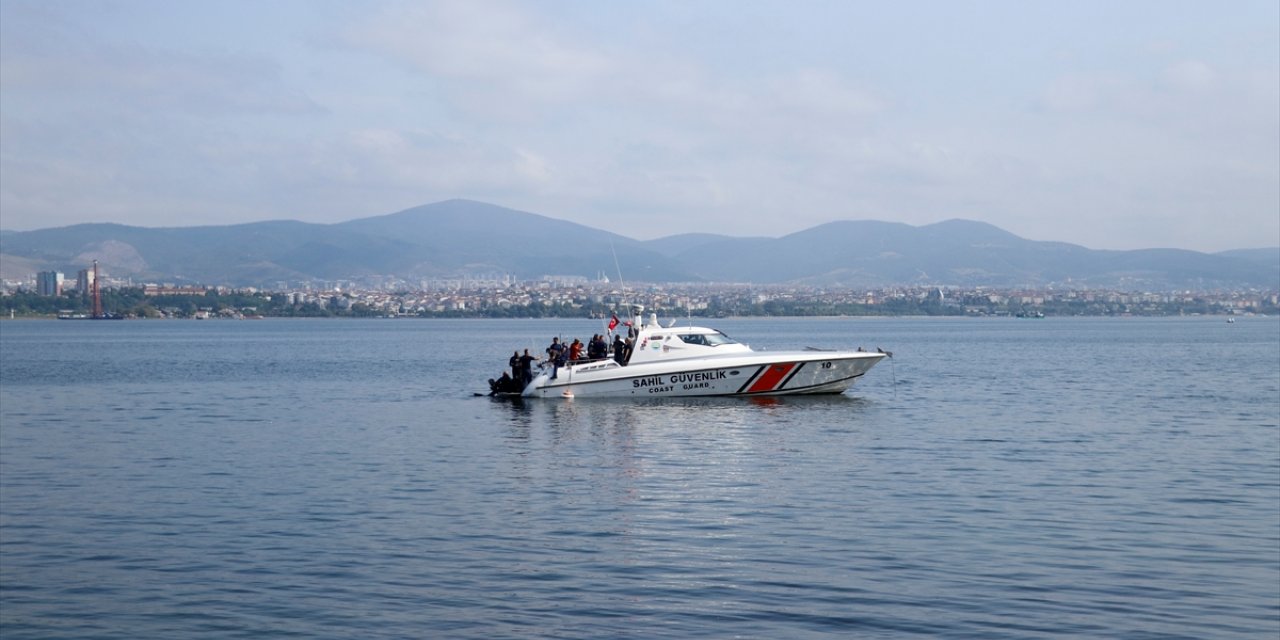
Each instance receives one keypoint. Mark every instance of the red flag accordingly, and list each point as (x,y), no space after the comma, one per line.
(613,322)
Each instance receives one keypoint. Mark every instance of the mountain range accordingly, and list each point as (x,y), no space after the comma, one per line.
(462,236)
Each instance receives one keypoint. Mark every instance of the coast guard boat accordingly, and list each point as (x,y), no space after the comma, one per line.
(696,361)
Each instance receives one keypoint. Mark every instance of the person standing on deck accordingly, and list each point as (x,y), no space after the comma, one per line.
(556,354)
(619,349)
(526,368)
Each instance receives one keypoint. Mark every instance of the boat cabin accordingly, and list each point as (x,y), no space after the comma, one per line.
(655,343)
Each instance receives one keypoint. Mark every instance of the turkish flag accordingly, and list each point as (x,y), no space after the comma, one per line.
(613,322)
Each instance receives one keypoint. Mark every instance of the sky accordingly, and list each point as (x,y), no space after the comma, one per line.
(1112,125)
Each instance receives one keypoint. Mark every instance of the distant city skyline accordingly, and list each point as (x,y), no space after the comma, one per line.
(1109,125)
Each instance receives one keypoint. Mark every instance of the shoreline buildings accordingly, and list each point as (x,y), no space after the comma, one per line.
(49,283)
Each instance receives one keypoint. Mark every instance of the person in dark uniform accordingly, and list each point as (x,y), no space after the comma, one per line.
(556,354)
(526,368)
(619,349)
(514,362)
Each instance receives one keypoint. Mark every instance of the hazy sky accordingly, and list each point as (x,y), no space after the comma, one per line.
(1114,125)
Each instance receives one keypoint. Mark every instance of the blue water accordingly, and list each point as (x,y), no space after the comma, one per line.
(998,478)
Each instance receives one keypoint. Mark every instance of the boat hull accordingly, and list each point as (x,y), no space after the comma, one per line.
(755,374)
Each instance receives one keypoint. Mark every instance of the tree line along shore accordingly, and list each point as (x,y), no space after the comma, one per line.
(133,302)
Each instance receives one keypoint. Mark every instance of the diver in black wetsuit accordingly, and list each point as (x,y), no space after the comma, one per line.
(505,384)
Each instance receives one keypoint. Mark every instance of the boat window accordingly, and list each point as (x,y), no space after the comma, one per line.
(707,339)
(716,338)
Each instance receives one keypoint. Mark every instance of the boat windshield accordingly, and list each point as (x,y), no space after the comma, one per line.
(708,339)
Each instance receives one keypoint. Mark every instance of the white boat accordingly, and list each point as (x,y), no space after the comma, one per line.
(681,361)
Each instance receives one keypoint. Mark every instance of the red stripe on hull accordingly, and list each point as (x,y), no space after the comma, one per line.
(771,377)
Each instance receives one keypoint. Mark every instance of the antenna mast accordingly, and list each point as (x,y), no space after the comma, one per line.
(622,283)
(630,313)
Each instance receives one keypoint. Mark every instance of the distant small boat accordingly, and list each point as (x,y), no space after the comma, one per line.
(85,316)
(1231,320)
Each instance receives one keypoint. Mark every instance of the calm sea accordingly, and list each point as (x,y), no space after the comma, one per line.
(997,478)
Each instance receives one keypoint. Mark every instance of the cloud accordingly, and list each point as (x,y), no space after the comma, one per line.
(494,57)
(63,66)
(477,41)
(1079,91)
(643,119)
(1189,75)
(635,122)
(811,91)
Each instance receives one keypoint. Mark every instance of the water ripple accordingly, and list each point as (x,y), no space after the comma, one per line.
(1025,480)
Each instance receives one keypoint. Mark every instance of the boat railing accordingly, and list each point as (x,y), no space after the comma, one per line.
(579,364)
(592,365)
